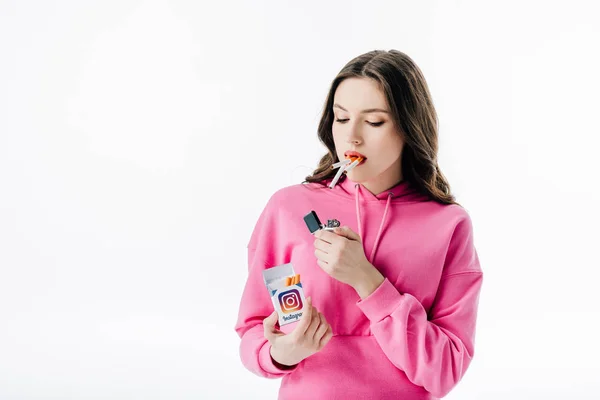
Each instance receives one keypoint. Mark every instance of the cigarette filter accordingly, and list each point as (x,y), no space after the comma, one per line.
(286,292)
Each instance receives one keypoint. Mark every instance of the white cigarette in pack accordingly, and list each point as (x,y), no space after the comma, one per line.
(287,294)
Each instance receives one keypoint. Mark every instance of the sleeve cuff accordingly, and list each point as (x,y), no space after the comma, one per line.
(266,362)
(382,302)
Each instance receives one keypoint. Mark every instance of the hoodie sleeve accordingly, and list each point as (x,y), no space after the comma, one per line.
(433,350)
(264,251)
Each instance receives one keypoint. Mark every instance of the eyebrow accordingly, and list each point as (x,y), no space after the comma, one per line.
(368,110)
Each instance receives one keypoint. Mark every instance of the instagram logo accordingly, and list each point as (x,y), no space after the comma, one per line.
(290,301)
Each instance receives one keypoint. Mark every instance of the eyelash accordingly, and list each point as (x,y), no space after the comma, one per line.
(374,124)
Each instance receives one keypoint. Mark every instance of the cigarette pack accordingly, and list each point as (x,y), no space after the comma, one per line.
(286,292)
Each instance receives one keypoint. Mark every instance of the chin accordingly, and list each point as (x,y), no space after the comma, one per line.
(357,177)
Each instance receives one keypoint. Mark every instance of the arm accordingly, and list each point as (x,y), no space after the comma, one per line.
(255,304)
(433,350)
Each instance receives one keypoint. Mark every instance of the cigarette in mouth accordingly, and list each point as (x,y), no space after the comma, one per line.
(344,166)
(337,176)
(339,164)
(354,164)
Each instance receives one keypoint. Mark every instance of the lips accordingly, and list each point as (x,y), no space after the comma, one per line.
(353,160)
(353,155)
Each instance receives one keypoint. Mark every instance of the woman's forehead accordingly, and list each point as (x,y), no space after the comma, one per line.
(359,94)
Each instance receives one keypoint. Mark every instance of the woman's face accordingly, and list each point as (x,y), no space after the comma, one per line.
(363,123)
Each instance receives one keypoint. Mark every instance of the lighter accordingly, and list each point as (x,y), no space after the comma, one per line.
(314,224)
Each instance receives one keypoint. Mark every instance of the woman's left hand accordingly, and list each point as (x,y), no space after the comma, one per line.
(340,254)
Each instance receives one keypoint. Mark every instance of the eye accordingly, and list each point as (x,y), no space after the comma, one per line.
(374,124)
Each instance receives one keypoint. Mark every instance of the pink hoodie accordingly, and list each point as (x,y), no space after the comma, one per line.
(413,337)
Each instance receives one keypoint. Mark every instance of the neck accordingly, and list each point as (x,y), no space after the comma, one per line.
(382,183)
(377,188)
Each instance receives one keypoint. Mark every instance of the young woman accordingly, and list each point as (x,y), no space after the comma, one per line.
(392,294)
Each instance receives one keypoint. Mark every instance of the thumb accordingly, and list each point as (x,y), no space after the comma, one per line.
(348,233)
(269,324)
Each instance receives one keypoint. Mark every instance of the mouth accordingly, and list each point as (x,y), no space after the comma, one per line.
(353,160)
(354,155)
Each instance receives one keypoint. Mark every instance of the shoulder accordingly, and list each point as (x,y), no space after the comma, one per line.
(450,214)
(451,220)
(458,213)
(294,193)
(460,226)
(460,220)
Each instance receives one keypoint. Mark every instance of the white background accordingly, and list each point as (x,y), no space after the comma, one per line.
(140,140)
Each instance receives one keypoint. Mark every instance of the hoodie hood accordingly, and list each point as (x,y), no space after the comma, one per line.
(402,192)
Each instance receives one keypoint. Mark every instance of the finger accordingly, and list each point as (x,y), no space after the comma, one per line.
(306,318)
(269,325)
(321,255)
(324,265)
(314,325)
(322,245)
(270,321)
(325,339)
(323,326)
(346,232)
(329,237)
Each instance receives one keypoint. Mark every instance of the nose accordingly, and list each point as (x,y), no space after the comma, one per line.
(354,135)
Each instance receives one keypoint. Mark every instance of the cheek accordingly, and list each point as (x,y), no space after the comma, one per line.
(336,131)
(337,134)
(395,144)
(389,147)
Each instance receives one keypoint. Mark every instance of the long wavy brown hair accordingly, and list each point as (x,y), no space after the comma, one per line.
(413,114)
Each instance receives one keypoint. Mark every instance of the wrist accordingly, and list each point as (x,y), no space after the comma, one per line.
(279,364)
(369,283)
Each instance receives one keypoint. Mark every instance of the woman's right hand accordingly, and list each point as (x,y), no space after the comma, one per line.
(310,335)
